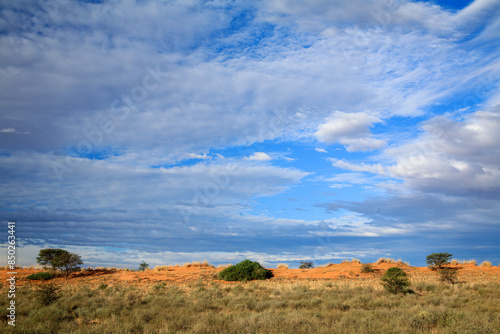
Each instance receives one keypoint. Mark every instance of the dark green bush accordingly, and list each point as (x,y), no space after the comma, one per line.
(366,268)
(306,265)
(395,281)
(245,271)
(47,293)
(40,276)
(143,266)
(448,275)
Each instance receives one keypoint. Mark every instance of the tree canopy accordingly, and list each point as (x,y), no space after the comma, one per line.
(438,260)
(59,259)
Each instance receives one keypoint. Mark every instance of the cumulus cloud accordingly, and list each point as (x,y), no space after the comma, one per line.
(260,156)
(450,157)
(453,157)
(351,130)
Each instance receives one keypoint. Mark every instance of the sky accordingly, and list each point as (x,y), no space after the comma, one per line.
(279,131)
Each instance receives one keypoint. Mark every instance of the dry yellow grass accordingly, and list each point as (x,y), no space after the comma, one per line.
(282,265)
(162,268)
(385,260)
(486,264)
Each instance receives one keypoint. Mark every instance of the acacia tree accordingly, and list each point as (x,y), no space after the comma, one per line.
(306,265)
(438,260)
(59,259)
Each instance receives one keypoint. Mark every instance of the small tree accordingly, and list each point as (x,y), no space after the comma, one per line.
(448,275)
(395,281)
(59,259)
(46,294)
(306,265)
(143,266)
(438,260)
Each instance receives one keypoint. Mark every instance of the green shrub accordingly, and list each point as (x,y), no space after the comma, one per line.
(143,266)
(395,281)
(40,276)
(245,271)
(448,275)
(366,268)
(46,294)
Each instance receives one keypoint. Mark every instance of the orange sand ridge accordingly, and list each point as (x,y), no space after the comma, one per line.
(344,272)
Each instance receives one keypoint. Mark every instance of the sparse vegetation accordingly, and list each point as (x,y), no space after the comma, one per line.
(438,260)
(395,281)
(259,307)
(245,271)
(162,268)
(282,266)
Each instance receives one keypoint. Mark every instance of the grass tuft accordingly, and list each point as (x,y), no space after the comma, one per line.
(486,264)
(162,268)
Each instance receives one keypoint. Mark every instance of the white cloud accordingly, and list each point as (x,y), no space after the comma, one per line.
(10,130)
(345,125)
(362,144)
(203,156)
(370,168)
(318,15)
(321,150)
(450,157)
(259,156)
(351,130)
(453,157)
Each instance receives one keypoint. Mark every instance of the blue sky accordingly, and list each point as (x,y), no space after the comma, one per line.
(280,131)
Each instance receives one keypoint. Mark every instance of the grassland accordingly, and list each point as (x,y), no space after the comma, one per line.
(290,302)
